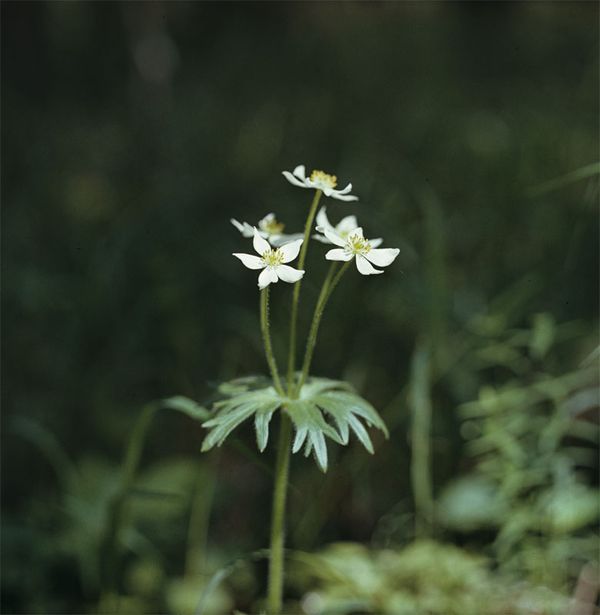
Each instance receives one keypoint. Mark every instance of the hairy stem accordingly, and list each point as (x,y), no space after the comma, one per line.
(275,587)
(331,281)
(266,335)
(296,295)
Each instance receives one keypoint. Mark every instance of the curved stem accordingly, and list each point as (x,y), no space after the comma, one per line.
(199,519)
(266,335)
(275,588)
(296,296)
(327,289)
(109,549)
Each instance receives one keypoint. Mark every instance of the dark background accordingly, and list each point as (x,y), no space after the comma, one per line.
(132,132)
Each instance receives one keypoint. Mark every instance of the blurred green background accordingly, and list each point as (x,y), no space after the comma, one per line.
(133,132)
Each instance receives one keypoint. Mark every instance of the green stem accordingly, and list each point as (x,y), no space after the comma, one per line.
(202,501)
(420,469)
(109,552)
(327,289)
(266,335)
(296,296)
(275,588)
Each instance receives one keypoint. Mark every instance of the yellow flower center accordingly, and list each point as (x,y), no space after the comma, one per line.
(272,227)
(273,258)
(358,245)
(324,178)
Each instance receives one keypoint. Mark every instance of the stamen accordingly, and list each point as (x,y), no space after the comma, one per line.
(273,258)
(272,227)
(324,178)
(358,245)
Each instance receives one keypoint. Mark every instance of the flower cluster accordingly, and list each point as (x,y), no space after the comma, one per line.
(317,409)
(275,248)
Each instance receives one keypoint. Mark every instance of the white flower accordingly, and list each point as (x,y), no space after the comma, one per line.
(319,180)
(269,228)
(271,261)
(355,245)
(344,227)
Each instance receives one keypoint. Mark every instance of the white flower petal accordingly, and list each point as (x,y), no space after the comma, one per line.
(300,172)
(375,243)
(264,222)
(266,277)
(238,225)
(343,197)
(290,250)
(337,254)
(382,257)
(323,220)
(243,227)
(327,191)
(334,238)
(294,180)
(288,274)
(251,261)
(357,232)
(347,189)
(347,224)
(322,224)
(260,244)
(321,238)
(364,266)
(281,240)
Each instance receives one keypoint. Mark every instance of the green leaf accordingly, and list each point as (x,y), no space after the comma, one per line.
(229,413)
(320,399)
(261,424)
(317,441)
(543,335)
(345,407)
(360,432)
(318,385)
(470,503)
(358,405)
(564,180)
(187,406)
(224,424)
(311,428)
(241,385)
(228,420)
(261,396)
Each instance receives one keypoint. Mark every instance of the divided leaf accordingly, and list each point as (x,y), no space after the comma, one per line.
(321,400)
(345,408)
(311,428)
(321,397)
(235,410)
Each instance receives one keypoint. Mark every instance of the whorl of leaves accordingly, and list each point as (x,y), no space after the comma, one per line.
(324,408)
